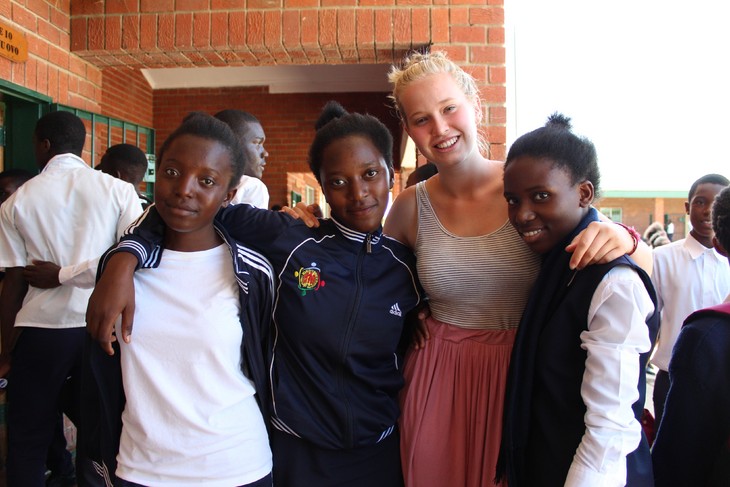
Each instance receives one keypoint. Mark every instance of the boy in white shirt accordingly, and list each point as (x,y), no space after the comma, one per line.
(67,214)
(688,275)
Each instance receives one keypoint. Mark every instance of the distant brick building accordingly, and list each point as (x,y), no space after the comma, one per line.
(641,208)
(88,55)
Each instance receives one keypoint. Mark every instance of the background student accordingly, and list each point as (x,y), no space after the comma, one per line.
(128,163)
(693,442)
(251,189)
(122,161)
(67,214)
(688,275)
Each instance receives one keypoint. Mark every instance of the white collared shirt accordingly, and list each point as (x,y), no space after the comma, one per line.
(687,276)
(617,334)
(252,191)
(68,214)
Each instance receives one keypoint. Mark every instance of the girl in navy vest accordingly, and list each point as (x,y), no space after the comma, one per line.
(576,384)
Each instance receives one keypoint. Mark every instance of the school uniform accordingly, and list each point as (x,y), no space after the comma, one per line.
(687,276)
(253,191)
(206,430)
(335,370)
(67,214)
(576,387)
(692,448)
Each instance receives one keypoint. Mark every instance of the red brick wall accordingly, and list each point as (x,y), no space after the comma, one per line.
(163,33)
(288,120)
(298,182)
(641,212)
(126,95)
(50,68)
(87,53)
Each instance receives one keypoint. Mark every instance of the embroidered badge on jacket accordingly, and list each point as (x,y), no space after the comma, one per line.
(310,278)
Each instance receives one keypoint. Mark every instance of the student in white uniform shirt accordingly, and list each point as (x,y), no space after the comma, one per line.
(67,214)
(251,136)
(123,161)
(129,163)
(688,275)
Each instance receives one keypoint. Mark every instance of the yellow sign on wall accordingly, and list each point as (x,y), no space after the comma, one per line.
(13,44)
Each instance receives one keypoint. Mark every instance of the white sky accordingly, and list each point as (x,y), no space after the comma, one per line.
(647,81)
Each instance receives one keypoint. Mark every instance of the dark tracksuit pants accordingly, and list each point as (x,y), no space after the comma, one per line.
(299,463)
(45,364)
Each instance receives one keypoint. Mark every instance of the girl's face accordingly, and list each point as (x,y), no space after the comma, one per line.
(440,119)
(544,205)
(191,186)
(356,183)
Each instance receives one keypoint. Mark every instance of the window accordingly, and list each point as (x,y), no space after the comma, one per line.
(295,198)
(615,214)
(310,196)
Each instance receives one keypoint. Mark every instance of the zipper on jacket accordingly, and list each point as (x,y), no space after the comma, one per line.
(351,322)
(368,243)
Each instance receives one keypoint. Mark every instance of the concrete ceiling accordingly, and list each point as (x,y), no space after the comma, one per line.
(280,79)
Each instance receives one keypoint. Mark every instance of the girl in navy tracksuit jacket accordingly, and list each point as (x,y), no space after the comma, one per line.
(342,294)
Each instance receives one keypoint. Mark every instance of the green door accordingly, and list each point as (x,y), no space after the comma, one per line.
(20,109)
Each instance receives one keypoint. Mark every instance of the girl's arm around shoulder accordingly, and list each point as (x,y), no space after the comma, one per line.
(402,221)
(604,241)
(254,227)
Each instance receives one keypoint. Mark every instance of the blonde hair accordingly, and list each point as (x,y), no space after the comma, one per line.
(417,65)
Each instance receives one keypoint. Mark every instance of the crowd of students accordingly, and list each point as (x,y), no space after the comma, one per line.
(259,349)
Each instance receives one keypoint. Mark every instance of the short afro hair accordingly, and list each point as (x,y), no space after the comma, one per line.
(721,218)
(64,130)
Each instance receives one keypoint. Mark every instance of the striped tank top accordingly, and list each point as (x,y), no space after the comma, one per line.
(480,282)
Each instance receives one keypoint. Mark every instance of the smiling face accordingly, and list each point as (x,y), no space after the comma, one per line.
(699,209)
(192,184)
(544,205)
(440,118)
(356,182)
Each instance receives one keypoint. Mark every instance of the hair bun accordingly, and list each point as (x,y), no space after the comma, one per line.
(559,121)
(331,111)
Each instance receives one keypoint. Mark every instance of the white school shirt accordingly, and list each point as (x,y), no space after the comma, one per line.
(67,214)
(191,417)
(617,334)
(252,191)
(687,276)
(80,275)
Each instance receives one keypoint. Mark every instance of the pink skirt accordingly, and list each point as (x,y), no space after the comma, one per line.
(452,403)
